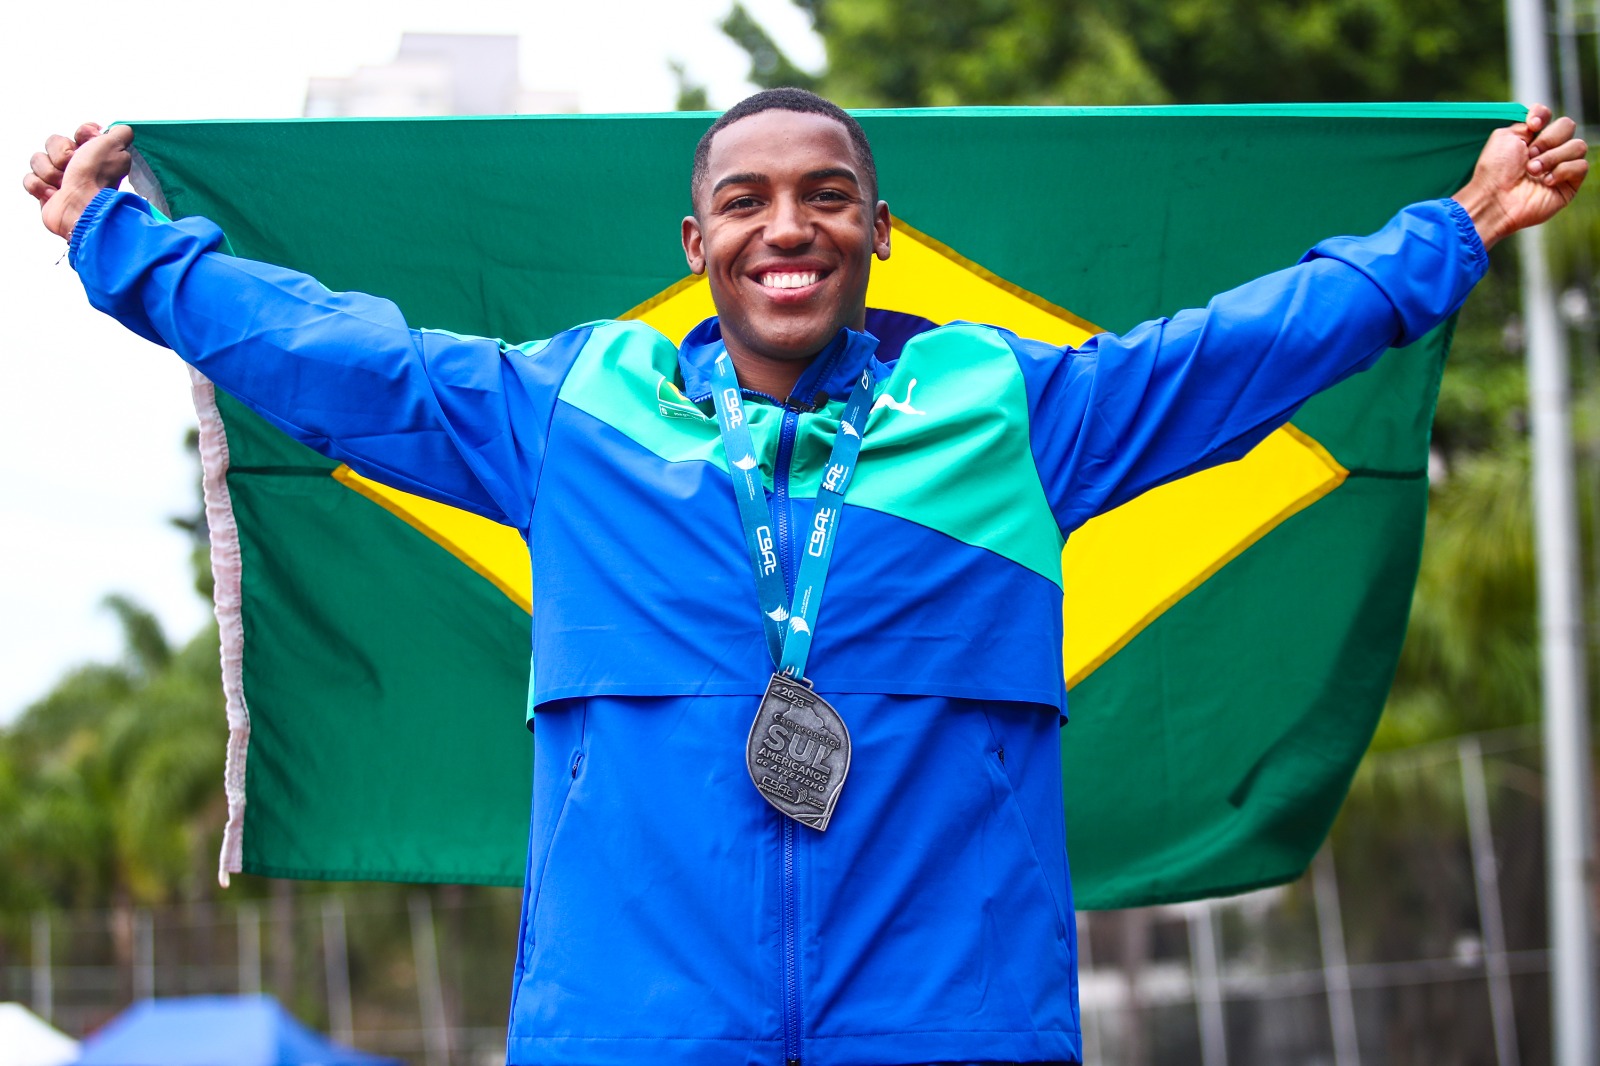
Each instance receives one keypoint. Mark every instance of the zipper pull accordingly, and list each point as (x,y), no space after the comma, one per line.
(818,402)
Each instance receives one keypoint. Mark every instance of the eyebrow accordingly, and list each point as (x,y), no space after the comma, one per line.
(834,172)
(753,178)
(741,179)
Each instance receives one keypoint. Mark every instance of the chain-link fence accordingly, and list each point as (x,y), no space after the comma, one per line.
(1418,936)
(419,973)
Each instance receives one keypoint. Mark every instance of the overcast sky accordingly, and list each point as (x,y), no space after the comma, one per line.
(92,420)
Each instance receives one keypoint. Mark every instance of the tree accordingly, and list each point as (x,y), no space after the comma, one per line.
(692,95)
(117,771)
(769,67)
(912,53)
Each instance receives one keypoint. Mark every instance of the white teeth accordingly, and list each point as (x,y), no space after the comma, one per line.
(789,281)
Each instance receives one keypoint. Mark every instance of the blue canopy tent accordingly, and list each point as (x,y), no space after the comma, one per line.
(215,1031)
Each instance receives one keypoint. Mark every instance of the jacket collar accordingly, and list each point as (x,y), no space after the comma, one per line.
(833,371)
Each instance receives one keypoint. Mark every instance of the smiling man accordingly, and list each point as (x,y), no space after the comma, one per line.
(786,222)
(763,832)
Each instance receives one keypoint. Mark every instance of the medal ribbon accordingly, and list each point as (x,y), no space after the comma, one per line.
(789,625)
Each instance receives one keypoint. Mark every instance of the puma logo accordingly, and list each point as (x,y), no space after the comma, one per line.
(903,406)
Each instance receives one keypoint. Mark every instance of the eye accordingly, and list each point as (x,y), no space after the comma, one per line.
(742,203)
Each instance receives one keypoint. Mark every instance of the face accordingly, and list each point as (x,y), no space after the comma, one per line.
(785,233)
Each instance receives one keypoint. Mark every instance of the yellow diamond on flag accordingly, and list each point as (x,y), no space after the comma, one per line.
(1120,571)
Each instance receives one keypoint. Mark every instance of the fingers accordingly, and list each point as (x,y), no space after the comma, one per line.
(1558,132)
(1564,152)
(37,188)
(59,149)
(45,169)
(1570,174)
(1538,118)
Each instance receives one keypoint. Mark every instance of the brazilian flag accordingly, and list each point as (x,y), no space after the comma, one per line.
(1230,638)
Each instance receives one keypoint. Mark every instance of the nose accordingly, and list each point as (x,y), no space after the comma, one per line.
(788,226)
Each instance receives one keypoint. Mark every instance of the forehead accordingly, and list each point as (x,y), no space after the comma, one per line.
(780,143)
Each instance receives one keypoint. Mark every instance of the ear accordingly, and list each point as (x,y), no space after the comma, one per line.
(694,245)
(881,230)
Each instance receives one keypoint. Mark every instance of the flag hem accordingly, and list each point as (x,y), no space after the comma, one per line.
(227,601)
(1500,110)
(144,181)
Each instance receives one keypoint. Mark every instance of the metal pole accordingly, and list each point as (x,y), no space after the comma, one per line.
(44,991)
(144,955)
(283,939)
(1135,945)
(1567,53)
(1207,984)
(430,997)
(1486,872)
(1568,774)
(1088,1025)
(336,968)
(1335,967)
(249,918)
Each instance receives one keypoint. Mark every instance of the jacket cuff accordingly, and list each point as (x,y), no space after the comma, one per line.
(1469,235)
(86,222)
(1426,260)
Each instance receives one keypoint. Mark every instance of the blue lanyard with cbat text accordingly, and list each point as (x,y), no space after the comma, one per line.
(788,625)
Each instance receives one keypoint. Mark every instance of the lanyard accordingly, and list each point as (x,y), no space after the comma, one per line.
(789,626)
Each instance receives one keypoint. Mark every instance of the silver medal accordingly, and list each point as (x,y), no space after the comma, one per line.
(798,752)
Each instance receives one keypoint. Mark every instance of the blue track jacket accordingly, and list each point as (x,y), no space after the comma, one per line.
(669,914)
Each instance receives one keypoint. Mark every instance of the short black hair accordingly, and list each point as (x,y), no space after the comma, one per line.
(786,99)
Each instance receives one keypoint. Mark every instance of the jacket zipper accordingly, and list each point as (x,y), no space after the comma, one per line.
(791,933)
(789,908)
(791,953)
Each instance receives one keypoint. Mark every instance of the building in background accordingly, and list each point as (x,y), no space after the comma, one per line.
(437,74)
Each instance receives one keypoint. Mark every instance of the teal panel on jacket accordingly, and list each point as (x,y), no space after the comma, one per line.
(946,445)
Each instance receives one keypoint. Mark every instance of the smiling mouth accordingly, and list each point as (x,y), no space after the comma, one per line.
(789,279)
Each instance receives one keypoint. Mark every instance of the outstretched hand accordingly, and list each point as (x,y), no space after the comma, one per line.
(71,170)
(1527,172)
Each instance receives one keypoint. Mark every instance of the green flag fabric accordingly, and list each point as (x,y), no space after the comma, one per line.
(1230,639)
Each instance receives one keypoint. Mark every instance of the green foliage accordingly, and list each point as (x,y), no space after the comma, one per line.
(769,67)
(1215,51)
(914,53)
(111,785)
(691,94)
(1470,660)
(890,53)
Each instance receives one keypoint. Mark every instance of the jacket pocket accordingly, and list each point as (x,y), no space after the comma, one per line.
(1008,810)
(556,772)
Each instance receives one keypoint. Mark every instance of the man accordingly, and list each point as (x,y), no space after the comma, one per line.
(747,847)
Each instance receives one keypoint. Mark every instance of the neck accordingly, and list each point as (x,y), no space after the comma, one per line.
(775,377)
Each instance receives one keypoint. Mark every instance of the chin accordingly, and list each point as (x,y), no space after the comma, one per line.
(791,344)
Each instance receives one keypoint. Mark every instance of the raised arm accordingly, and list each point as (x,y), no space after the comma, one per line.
(1124,414)
(458,419)
(1526,173)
